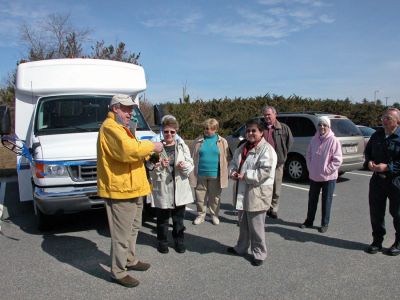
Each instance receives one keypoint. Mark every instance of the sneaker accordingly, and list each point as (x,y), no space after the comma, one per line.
(139,266)
(394,250)
(162,248)
(323,229)
(127,281)
(374,248)
(215,220)
(198,220)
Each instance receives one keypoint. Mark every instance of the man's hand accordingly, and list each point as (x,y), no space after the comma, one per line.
(377,167)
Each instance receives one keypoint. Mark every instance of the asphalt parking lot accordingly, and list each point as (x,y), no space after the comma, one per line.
(72,260)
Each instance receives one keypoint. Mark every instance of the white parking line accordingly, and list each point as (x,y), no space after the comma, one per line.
(361,174)
(299,188)
(295,187)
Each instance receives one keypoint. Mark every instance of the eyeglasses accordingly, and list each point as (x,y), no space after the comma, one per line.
(387,118)
(251,130)
(169,131)
(322,125)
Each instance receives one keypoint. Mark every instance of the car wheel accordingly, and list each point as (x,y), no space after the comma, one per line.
(296,168)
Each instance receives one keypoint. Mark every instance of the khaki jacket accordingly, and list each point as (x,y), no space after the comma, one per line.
(120,162)
(224,156)
(254,192)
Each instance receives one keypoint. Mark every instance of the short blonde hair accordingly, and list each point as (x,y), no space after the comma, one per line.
(170,121)
(211,123)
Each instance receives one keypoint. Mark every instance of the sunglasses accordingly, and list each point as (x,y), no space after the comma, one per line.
(251,130)
(169,131)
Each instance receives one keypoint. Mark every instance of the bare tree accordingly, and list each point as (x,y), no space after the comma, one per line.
(54,37)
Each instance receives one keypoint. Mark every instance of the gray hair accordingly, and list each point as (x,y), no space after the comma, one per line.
(271,108)
(397,111)
(169,120)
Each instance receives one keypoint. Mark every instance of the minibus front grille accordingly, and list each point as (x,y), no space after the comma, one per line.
(83,173)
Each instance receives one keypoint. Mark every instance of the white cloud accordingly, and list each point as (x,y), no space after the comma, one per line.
(326,19)
(272,25)
(186,23)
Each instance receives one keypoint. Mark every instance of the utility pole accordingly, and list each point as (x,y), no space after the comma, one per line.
(375,92)
(386,99)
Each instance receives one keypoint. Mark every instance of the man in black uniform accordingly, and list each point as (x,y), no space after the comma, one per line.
(382,156)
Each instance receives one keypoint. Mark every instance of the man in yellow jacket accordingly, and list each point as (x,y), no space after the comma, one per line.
(122,181)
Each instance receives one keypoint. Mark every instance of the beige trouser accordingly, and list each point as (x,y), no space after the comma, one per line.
(277,188)
(252,233)
(124,220)
(208,187)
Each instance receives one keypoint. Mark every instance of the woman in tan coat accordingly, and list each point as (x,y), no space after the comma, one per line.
(210,156)
(253,168)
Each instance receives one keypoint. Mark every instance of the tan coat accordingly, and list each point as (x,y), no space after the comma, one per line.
(224,156)
(254,192)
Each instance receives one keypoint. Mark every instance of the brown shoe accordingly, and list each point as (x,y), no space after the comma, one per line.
(140,266)
(127,281)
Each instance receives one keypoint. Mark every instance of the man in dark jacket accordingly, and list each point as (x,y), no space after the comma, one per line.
(382,156)
(281,139)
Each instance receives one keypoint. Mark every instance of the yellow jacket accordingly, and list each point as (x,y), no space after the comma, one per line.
(120,162)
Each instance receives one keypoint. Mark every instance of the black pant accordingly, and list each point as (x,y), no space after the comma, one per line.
(379,190)
(163,215)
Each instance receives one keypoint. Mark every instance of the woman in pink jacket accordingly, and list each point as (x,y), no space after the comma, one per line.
(324,157)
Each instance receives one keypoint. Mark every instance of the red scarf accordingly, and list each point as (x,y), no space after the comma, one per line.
(246,149)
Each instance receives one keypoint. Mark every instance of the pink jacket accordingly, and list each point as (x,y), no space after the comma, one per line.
(324,157)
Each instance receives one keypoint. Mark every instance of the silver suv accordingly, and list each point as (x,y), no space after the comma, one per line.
(304,127)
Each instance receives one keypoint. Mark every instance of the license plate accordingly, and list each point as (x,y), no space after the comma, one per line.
(350,149)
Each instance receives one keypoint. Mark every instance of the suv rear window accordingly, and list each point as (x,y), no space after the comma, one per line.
(299,126)
(344,127)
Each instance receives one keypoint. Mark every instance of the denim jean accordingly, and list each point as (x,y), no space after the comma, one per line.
(328,188)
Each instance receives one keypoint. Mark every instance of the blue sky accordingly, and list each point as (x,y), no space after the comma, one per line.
(219,48)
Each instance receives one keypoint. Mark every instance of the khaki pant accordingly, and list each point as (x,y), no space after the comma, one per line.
(277,188)
(125,221)
(208,187)
(252,233)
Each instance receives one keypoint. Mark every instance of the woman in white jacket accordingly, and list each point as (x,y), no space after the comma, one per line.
(169,176)
(253,168)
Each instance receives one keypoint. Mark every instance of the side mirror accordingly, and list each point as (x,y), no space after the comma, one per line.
(159,112)
(5,120)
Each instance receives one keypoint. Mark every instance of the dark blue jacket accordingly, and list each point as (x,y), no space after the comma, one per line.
(382,149)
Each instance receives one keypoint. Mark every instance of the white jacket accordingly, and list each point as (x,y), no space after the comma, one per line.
(169,191)
(254,191)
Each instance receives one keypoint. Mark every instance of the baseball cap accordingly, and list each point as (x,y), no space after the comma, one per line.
(123,100)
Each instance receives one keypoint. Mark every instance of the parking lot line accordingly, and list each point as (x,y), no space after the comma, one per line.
(295,187)
(361,174)
(300,188)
